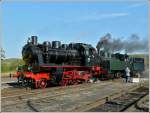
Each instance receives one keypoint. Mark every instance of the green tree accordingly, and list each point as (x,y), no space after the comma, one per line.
(2,53)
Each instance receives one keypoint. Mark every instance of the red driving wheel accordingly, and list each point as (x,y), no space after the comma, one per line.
(42,83)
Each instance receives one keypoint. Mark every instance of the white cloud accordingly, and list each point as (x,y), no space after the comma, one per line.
(95,17)
(112,15)
(105,16)
(136,5)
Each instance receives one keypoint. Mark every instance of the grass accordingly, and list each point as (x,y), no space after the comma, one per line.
(10,65)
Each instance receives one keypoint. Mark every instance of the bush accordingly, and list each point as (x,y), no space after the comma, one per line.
(9,65)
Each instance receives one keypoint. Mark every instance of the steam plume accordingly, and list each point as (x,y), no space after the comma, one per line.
(133,44)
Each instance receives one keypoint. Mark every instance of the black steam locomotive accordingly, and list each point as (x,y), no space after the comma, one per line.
(56,53)
(78,54)
(72,63)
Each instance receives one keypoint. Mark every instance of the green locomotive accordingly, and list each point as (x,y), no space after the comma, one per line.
(117,63)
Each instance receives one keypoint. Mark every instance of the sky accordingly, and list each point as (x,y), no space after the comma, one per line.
(69,22)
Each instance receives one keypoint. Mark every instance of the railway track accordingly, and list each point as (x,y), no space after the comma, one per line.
(58,98)
(20,91)
(123,102)
(48,92)
(10,102)
(25,90)
(7,92)
(31,104)
(143,104)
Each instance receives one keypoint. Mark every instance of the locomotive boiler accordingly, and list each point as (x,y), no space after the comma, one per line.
(55,53)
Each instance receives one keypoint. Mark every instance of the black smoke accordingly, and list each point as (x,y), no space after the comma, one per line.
(132,44)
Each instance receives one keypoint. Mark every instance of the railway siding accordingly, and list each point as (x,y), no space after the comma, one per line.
(123,102)
(77,98)
(50,92)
